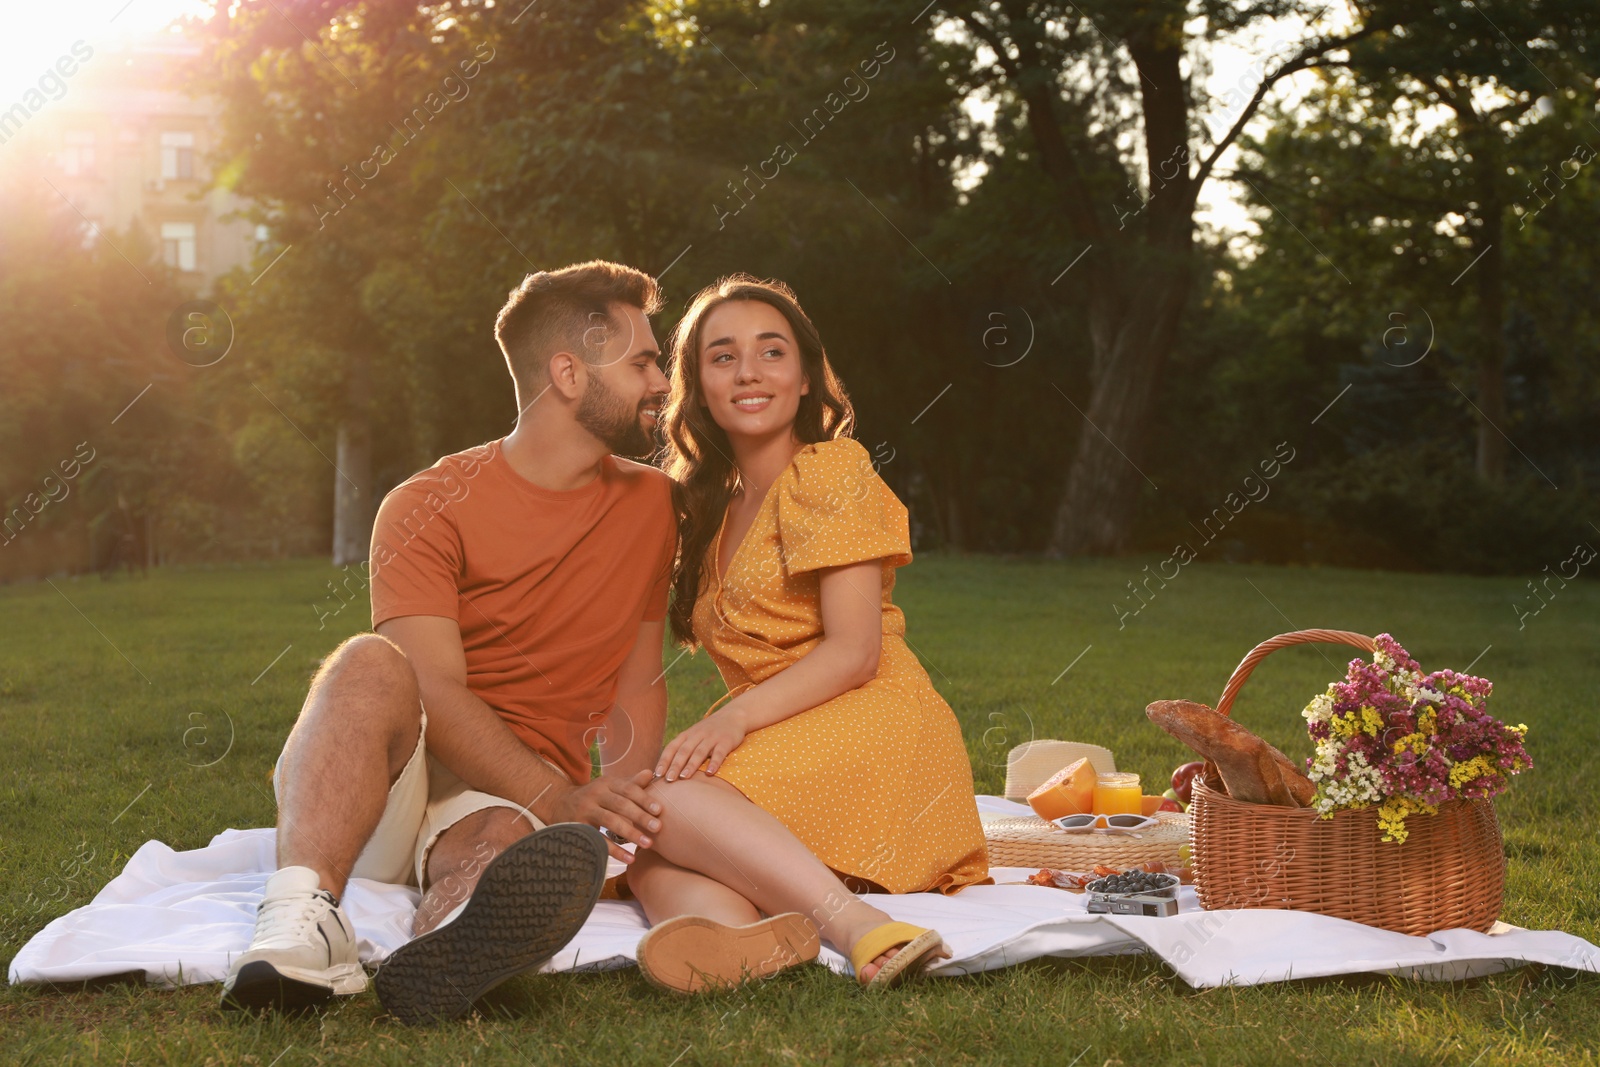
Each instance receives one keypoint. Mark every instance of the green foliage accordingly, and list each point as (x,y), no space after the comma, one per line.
(651,133)
(1356,332)
(102,459)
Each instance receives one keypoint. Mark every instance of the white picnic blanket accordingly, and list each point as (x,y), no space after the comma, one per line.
(179,917)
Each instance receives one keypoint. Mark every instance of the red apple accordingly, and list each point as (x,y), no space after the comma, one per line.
(1183,779)
(1170,803)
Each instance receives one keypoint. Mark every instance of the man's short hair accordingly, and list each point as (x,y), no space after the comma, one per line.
(556,310)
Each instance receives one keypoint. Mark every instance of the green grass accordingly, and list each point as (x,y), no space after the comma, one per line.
(104,734)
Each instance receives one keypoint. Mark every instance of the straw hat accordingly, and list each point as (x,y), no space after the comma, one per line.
(1030,763)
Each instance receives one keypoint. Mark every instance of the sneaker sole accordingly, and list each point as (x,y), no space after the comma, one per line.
(259,986)
(692,953)
(530,901)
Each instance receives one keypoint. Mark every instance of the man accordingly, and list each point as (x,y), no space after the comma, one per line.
(518,593)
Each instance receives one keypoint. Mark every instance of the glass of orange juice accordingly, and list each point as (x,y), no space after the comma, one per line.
(1117,793)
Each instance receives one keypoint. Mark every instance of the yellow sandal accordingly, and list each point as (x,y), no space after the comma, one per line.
(918,948)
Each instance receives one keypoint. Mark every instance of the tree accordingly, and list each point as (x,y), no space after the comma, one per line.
(1345,309)
(1489,65)
(326,102)
(1110,99)
(102,459)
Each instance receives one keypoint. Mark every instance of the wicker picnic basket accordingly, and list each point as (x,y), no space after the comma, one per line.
(1449,873)
(1029,841)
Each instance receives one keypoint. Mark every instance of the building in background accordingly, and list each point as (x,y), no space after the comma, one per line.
(126,145)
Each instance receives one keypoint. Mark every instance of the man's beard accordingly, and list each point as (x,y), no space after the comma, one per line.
(607,416)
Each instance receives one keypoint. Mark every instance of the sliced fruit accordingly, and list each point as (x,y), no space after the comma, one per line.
(1151,805)
(1070,791)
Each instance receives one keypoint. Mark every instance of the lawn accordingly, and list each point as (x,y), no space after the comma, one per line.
(154,707)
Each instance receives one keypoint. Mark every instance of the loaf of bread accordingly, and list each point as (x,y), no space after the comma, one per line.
(1251,770)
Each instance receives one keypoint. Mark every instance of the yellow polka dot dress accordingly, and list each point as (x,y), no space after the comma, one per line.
(876,781)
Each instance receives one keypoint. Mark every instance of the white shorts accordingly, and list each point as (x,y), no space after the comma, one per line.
(425,801)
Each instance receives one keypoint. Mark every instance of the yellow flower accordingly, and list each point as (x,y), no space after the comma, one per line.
(1371,721)
(1417,743)
(1392,816)
(1467,770)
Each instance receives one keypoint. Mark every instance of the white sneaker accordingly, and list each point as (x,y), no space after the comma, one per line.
(303,952)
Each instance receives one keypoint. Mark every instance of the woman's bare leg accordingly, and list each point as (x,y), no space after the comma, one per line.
(667,891)
(713,829)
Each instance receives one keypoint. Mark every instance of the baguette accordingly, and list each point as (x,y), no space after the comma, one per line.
(1252,770)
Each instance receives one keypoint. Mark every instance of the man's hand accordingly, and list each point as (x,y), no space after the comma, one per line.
(617,804)
(712,738)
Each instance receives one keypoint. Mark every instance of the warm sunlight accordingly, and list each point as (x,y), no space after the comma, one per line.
(37,36)
(396,394)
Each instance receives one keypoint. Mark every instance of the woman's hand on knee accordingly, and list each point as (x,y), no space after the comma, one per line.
(708,741)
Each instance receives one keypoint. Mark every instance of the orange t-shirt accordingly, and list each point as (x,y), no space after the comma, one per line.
(549,588)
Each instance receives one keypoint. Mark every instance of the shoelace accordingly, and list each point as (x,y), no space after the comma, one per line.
(286,922)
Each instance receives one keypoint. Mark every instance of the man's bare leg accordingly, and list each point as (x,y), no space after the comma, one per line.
(356,732)
(458,858)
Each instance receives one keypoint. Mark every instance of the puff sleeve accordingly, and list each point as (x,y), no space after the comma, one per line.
(834,510)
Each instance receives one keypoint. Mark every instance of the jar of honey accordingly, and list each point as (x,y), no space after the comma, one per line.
(1118,793)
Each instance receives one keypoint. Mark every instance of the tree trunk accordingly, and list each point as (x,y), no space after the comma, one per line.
(352,494)
(956,534)
(1136,286)
(1132,335)
(1491,463)
(944,493)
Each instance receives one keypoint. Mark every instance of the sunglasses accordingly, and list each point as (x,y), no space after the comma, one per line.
(1111,824)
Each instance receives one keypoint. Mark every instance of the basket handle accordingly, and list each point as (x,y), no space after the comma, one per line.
(1272,644)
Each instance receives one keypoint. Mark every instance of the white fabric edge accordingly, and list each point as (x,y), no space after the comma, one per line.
(179,917)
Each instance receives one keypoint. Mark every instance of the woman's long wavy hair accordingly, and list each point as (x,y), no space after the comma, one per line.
(697,453)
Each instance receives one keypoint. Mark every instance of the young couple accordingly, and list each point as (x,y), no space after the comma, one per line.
(520,598)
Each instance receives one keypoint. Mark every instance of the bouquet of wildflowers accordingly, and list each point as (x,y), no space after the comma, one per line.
(1392,736)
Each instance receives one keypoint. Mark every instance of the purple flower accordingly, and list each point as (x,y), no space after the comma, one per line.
(1438,722)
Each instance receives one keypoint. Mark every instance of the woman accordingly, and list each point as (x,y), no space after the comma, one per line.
(847,770)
